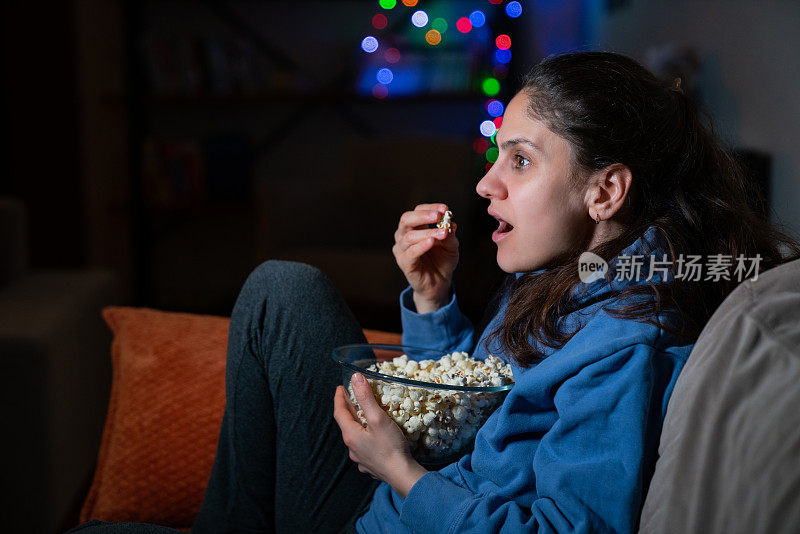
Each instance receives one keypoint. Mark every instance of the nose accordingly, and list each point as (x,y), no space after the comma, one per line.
(490,186)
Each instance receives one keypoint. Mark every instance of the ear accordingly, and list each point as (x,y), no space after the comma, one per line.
(607,191)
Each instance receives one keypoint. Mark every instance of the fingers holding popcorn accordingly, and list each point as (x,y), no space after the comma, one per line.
(412,237)
(417,219)
(427,254)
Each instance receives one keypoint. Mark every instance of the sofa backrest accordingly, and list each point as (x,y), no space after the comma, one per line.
(729,457)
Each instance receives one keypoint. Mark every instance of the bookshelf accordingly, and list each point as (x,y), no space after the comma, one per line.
(212,143)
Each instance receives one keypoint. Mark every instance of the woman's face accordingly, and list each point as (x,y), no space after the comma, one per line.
(528,187)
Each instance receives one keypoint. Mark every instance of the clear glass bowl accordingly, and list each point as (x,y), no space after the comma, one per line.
(447,416)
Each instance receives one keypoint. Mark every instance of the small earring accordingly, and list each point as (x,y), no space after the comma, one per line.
(597,218)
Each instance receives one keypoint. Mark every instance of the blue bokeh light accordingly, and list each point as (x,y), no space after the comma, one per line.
(502,56)
(513,9)
(495,108)
(477,18)
(369,44)
(385,76)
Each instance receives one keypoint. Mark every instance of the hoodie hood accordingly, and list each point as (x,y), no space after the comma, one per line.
(623,272)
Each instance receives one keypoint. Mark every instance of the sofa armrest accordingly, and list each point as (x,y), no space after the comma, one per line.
(55,378)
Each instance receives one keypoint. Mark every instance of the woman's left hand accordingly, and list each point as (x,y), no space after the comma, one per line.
(380,449)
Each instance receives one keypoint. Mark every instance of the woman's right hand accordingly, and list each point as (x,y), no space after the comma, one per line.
(427,256)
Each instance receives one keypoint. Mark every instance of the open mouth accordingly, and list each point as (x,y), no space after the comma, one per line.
(503,228)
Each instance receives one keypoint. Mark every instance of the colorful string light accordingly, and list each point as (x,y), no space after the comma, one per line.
(480,145)
(392,55)
(439,24)
(490,86)
(419,18)
(513,9)
(477,18)
(433,37)
(369,44)
(380,90)
(495,108)
(502,55)
(385,76)
(503,41)
(380,21)
(487,128)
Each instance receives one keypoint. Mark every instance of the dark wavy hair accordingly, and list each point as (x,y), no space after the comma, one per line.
(685,183)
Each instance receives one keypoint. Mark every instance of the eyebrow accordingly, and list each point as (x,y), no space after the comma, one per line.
(520,141)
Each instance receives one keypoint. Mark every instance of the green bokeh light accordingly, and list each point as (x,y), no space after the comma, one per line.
(491,154)
(490,86)
(439,24)
(388,4)
(492,138)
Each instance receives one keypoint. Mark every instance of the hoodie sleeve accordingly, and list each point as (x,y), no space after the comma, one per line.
(446,329)
(590,467)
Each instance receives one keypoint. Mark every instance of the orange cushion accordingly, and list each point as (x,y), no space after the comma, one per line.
(379,336)
(164,415)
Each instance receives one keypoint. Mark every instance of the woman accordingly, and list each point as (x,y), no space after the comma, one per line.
(595,155)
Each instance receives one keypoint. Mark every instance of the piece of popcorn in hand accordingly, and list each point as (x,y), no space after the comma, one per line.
(445,221)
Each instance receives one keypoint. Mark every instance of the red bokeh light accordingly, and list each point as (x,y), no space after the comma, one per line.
(503,41)
(380,90)
(489,166)
(480,145)
(380,21)
(392,55)
(497,122)
(463,25)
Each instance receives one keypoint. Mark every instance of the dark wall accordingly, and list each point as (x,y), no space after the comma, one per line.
(42,165)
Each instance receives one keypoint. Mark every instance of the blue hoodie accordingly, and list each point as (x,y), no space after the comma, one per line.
(573,446)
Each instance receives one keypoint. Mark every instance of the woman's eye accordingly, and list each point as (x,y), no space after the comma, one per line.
(521,161)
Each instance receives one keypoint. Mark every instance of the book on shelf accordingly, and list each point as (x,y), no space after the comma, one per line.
(186,65)
(181,175)
(173,175)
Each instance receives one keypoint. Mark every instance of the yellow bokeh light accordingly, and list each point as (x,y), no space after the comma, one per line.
(433,37)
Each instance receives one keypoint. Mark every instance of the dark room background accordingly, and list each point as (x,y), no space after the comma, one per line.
(170,147)
(182,143)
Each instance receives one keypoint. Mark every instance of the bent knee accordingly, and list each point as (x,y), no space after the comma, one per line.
(287,274)
(287,270)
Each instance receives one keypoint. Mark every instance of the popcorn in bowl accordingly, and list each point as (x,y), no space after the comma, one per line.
(438,403)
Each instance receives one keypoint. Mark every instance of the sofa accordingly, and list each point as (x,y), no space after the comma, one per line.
(55,376)
(729,456)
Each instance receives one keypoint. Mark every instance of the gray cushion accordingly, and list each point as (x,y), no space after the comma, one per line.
(730,447)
